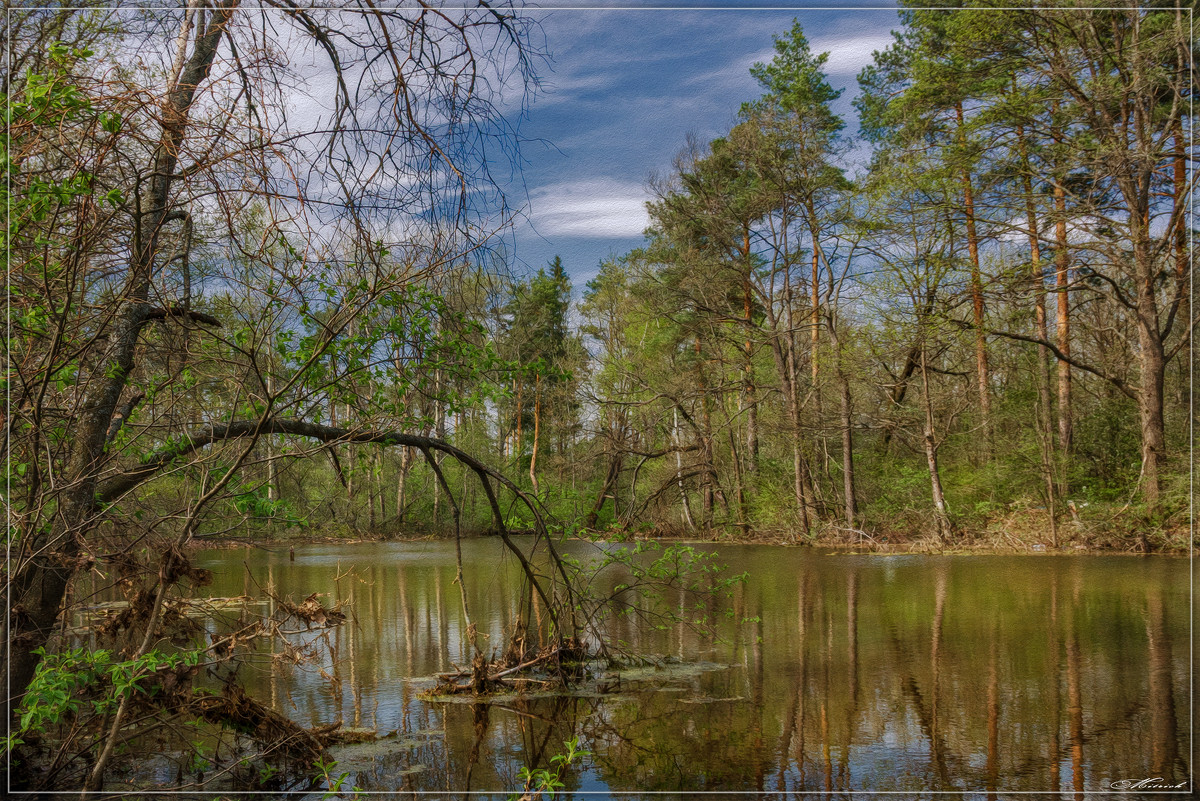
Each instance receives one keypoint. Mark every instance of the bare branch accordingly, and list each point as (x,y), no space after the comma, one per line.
(1117,382)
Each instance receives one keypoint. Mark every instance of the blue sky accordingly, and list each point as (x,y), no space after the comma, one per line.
(626,87)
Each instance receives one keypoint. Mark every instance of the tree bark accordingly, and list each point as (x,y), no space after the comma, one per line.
(815,310)
(1150,387)
(815,325)
(1041,330)
(898,394)
(706,446)
(537,425)
(683,495)
(847,425)
(941,512)
(610,480)
(40,580)
(1062,259)
(748,368)
(982,375)
(785,349)
(739,485)
(1181,233)
(847,450)
(406,460)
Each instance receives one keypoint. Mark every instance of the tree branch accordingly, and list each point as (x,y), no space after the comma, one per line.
(663,452)
(1119,383)
(213,433)
(176,310)
(122,414)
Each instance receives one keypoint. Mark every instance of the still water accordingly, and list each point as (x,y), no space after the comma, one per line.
(834,672)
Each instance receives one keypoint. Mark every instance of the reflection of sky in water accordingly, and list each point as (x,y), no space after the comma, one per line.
(831,681)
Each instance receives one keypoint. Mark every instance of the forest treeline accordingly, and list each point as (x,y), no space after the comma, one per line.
(993,315)
(971,314)
(982,324)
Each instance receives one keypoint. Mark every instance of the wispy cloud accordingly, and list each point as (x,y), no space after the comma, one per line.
(848,54)
(602,208)
(561,88)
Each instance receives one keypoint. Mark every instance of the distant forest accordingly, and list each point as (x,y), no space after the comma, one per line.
(983,334)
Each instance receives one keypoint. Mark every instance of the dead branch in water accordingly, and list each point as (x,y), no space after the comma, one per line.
(487,676)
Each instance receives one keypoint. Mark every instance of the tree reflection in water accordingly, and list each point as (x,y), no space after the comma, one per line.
(835,672)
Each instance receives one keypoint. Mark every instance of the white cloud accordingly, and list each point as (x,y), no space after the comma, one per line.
(849,54)
(761,57)
(601,208)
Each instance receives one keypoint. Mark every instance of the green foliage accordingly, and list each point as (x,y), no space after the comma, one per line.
(335,786)
(55,690)
(546,782)
(198,760)
(11,741)
(78,679)
(49,100)
(794,80)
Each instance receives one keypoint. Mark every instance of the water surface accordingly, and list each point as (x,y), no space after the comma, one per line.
(834,672)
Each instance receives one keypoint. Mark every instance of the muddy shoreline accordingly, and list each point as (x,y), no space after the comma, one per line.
(988,543)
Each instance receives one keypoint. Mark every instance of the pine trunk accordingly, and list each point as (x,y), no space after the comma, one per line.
(982,376)
(1062,261)
(1042,332)
(748,368)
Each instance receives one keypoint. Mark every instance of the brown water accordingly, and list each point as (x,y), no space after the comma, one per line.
(836,672)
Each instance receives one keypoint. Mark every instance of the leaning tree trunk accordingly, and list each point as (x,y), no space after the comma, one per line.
(40,580)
